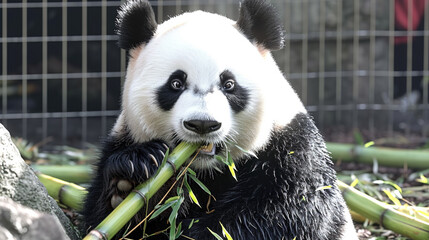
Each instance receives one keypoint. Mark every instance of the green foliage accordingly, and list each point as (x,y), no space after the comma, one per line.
(225,233)
(174,203)
(215,234)
(229,162)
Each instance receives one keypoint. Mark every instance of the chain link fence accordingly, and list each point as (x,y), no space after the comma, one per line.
(356,64)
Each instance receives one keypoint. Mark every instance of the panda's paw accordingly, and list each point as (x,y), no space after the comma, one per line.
(119,191)
(133,166)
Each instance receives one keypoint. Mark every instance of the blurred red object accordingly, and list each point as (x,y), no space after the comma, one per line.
(405,9)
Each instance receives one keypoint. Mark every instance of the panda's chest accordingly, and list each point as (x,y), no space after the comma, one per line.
(219,184)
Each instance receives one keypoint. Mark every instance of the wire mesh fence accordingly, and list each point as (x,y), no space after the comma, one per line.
(360,64)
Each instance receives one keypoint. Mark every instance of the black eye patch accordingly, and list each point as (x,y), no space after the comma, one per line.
(168,93)
(237,97)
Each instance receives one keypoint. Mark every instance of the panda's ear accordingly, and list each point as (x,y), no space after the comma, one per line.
(135,24)
(261,24)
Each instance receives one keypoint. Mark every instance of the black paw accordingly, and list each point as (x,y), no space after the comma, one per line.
(131,166)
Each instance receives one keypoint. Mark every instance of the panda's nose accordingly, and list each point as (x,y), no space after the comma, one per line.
(202,126)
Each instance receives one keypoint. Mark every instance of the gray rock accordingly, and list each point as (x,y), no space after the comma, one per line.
(19,183)
(19,222)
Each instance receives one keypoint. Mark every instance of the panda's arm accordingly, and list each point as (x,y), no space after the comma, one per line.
(123,164)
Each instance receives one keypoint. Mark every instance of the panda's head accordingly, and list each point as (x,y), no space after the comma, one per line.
(201,77)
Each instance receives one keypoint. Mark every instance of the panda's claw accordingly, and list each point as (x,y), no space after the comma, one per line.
(152,157)
(131,167)
(146,171)
(162,154)
(165,146)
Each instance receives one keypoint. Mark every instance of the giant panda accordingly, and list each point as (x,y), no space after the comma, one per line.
(203,78)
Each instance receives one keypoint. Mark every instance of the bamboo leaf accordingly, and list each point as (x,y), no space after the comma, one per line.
(179,191)
(369,144)
(231,169)
(192,223)
(422,179)
(354,183)
(231,166)
(202,186)
(225,232)
(215,234)
(175,209)
(164,161)
(192,172)
(221,159)
(171,199)
(162,209)
(323,188)
(389,183)
(191,193)
(172,234)
(392,198)
(229,159)
(179,231)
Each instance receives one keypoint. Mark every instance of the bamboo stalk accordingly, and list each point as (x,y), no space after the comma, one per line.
(417,159)
(69,173)
(111,225)
(384,214)
(69,194)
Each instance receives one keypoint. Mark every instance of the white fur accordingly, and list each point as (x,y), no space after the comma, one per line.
(204,45)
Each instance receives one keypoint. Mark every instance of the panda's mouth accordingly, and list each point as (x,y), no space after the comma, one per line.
(209,149)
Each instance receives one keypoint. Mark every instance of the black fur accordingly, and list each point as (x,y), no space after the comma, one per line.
(166,95)
(118,154)
(238,97)
(275,196)
(261,24)
(268,201)
(135,24)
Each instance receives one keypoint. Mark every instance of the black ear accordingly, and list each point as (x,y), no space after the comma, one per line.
(261,24)
(135,24)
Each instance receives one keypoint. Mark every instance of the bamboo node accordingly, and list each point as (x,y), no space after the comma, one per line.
(60,194)
(382,216)
(140,194)
(98,234)
(172,165)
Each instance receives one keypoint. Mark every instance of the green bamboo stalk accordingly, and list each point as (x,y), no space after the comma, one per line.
(66,193)
(417,159)
(384,214)
(111,225)
(69,173)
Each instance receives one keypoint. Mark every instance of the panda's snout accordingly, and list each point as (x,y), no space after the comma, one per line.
(202,126)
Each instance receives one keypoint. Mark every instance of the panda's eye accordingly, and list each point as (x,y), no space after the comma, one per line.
(176,84)
(229,85)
